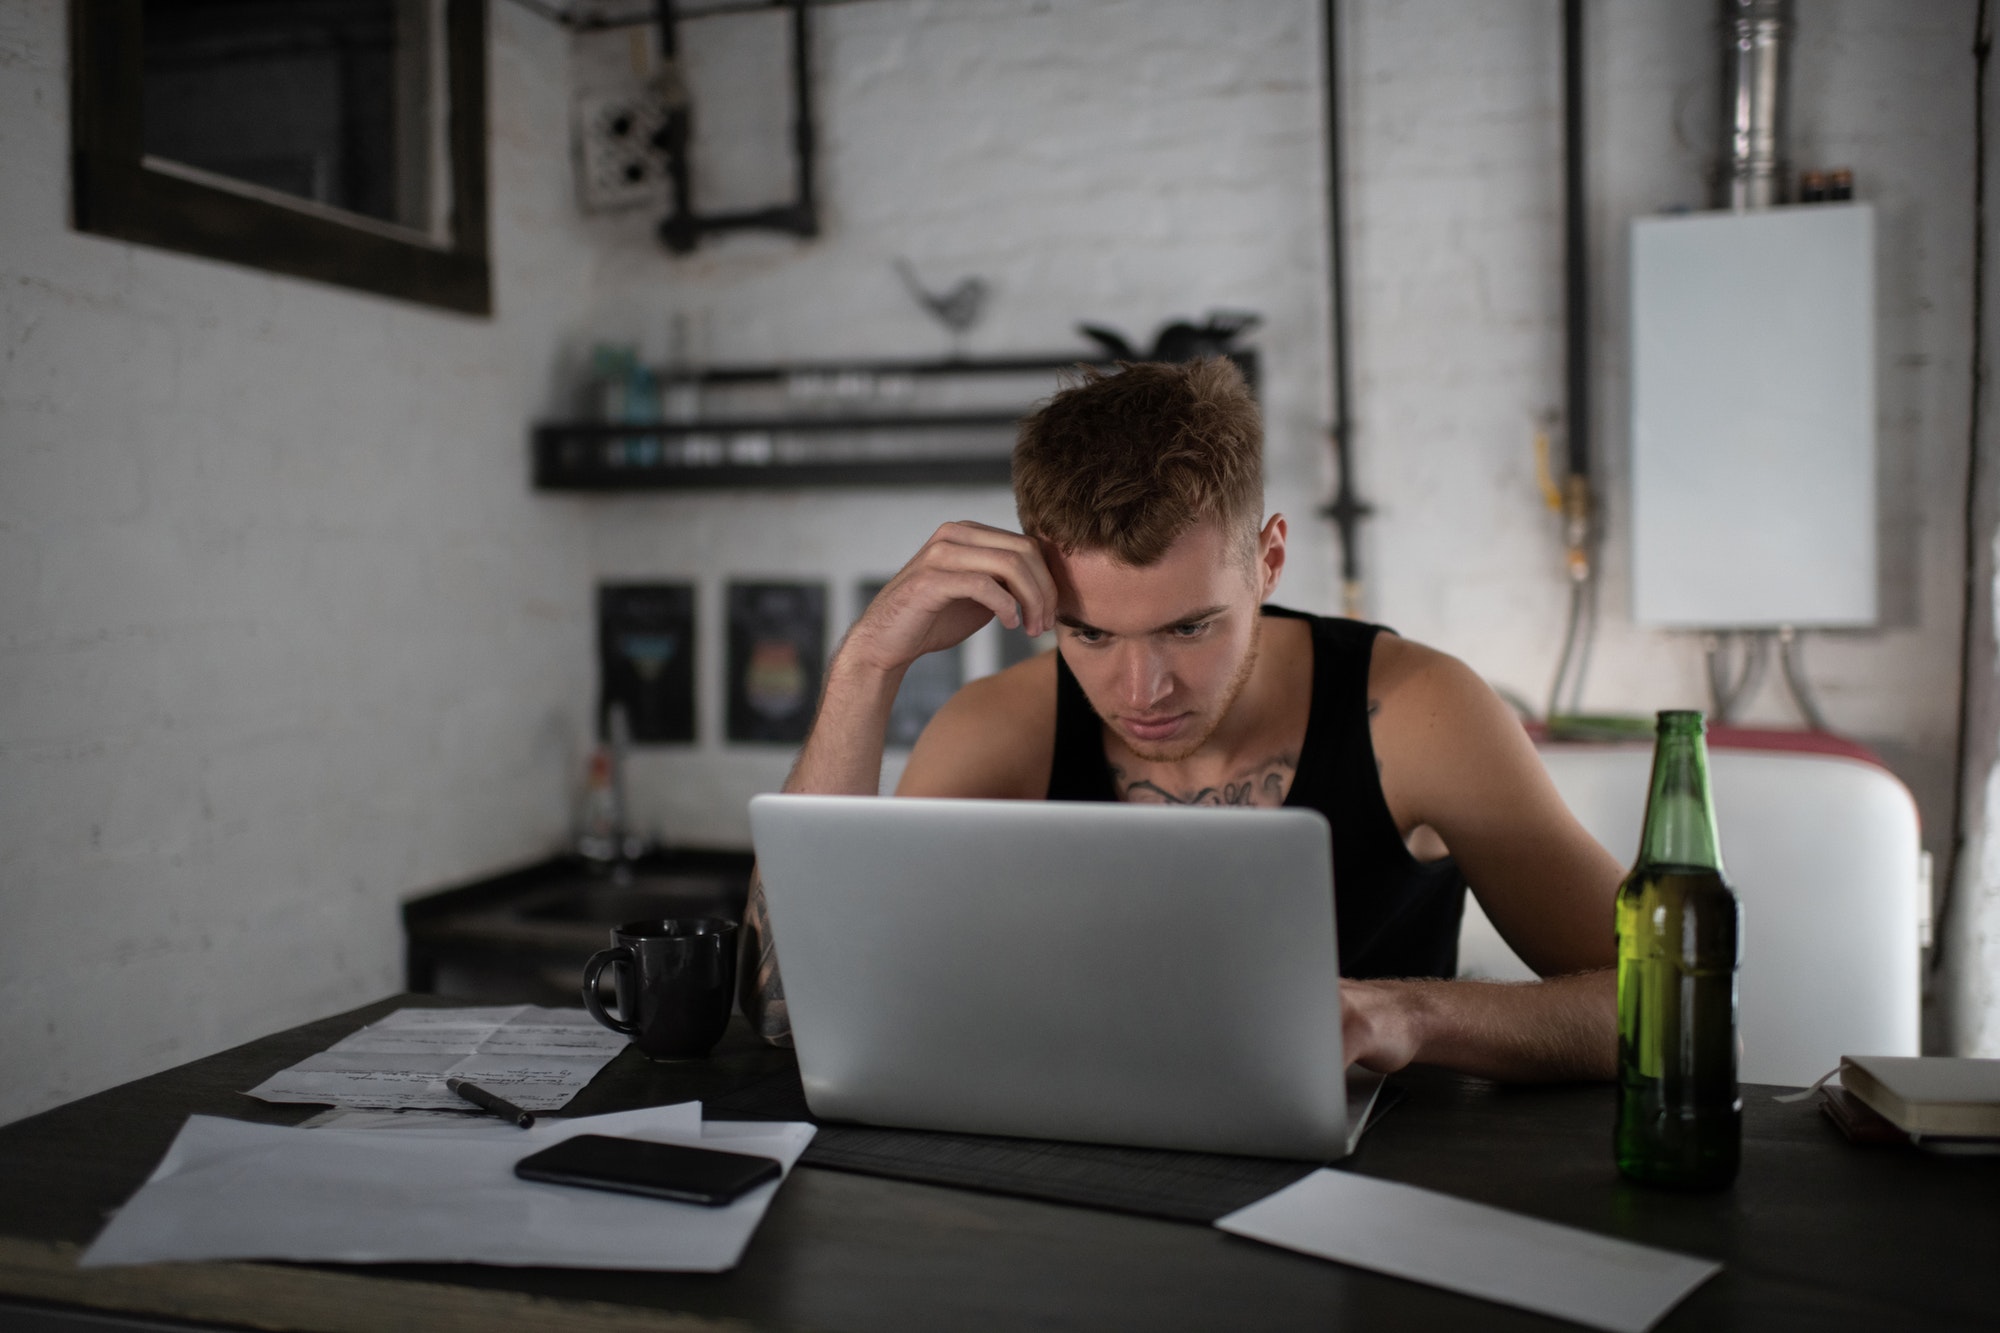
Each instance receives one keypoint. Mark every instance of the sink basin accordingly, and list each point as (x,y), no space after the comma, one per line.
(605,903)
(524,936)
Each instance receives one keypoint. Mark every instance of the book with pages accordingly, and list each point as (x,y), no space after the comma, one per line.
(1928,1096)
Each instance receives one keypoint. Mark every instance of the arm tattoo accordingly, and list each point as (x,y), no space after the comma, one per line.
(762,988)
(1262,784)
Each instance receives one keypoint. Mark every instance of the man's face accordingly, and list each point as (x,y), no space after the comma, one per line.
(1162,650)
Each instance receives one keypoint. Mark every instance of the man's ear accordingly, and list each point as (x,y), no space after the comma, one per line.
(1270,556)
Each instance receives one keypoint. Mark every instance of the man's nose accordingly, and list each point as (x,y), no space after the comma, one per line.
(1143,678)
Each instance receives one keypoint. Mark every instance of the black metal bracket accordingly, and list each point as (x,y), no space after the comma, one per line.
(1347,510)
(682,229)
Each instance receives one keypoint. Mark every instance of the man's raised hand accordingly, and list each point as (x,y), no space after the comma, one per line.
(965,575)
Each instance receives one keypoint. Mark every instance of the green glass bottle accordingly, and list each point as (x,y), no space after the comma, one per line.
(1680,1115)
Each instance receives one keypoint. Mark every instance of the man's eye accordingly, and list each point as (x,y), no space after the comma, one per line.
(1190,631)
(1087,635)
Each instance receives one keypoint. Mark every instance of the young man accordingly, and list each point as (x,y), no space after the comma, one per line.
(1141,498)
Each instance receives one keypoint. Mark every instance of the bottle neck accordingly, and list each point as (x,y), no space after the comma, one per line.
(1680,817)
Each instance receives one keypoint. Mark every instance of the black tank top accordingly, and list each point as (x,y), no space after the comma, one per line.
(1396,916)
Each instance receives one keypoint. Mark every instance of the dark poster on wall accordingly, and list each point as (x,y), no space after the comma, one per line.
(645,657)
(930,681)
(777,641)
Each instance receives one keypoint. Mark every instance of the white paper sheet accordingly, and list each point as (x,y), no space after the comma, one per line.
(231,1190)
(534,1057)
(1468,1247)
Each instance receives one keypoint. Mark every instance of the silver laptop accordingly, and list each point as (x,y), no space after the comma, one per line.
(1143,975)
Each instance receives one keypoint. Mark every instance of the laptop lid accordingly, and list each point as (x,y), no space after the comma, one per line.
(1145,975)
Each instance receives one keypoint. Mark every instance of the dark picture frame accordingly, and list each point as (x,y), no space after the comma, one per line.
(777,652)
(646,653)
(116,193)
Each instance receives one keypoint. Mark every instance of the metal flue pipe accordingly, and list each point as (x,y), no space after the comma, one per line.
(1347,508)
(1756,44)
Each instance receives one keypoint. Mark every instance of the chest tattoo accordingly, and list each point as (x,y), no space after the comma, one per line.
(1262,784)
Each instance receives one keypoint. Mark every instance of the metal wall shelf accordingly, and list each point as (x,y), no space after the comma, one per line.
(841,435)
(764,452)
(813,425)
(844,431)
(639,458)
(996,365)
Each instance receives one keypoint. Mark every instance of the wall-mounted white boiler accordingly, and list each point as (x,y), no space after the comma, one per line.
(1753,418)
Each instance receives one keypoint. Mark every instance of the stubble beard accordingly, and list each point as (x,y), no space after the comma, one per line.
(1186,749)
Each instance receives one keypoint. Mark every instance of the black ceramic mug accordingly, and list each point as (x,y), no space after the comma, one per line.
(676,981)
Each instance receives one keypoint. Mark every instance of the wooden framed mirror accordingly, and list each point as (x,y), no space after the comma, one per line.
(338,140)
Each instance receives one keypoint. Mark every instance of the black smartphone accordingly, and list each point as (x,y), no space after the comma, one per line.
(659,1170)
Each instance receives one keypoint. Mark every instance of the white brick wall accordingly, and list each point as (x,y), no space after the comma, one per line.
(1130,162)
(286,638)
(283,637)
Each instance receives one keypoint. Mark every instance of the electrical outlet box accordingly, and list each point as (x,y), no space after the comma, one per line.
(617,165)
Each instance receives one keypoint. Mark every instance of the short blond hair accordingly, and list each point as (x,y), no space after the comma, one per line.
(1128,461)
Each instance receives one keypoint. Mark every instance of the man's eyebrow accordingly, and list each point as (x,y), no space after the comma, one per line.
(1204,614)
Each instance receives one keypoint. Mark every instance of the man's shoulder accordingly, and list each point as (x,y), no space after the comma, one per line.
(995,737)
(1397,667)
(1403,667)
(1431,715)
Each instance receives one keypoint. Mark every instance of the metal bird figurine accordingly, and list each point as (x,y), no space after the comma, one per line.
(957,309)
(1179,341)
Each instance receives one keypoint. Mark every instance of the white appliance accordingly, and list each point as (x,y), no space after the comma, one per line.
(1753,418)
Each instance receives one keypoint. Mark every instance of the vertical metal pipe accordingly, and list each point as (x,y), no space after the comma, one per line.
(804,146)
(1336,246)
(1576,249)
(1347,509)
(679,229)
(1756,44)
(1578,504)
(1977,584)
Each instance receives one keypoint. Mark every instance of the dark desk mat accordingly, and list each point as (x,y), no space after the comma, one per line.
(1180,1186)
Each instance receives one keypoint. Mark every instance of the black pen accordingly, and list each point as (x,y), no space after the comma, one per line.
(487,1101)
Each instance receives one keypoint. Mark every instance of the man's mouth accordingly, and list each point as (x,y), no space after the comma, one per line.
(1154,728)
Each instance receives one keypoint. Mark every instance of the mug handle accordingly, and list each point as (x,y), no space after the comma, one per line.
(600,960)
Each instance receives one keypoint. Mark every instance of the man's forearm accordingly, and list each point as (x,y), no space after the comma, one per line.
(1562,1028)
(842,755)
(760,987)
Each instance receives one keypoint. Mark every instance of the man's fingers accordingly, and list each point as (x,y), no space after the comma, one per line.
(1023,571)
(1008,568)
(989,594)
(1035,569)
(985,534)
(1374,1031)
(938,588)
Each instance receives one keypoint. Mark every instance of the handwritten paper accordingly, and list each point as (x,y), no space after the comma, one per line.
(1481,1251)
(231,1190)
(534,1057)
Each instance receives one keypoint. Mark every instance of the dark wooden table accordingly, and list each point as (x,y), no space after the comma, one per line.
(1816,1234)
